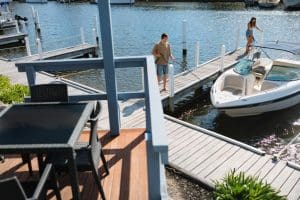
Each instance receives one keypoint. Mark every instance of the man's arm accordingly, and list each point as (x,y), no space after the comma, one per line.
(155,51)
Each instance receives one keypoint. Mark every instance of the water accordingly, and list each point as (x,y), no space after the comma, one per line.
(137,28)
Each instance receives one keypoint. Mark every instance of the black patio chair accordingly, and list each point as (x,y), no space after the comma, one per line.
(88,154)
(57,92)
(11,188)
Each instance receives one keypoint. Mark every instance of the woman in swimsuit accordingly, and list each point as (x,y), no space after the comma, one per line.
(249,33)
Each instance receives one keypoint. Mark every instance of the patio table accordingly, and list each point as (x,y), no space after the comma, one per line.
(45,128)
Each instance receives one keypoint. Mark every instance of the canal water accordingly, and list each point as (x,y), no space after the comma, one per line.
(137,28)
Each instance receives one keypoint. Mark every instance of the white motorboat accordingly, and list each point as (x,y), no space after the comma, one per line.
(291,4)
(268,3)
(252,88)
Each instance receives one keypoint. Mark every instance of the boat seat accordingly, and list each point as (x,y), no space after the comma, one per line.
(233,83)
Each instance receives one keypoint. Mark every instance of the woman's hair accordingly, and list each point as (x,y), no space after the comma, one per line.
(252,22)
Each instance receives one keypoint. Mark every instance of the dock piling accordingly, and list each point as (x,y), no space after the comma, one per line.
(39,47)
(184,49)
(27,45)
(82,35)
(262,38)
(197,52)
(171,87)
(222,58)
(17,26)
(237,42)
(36,20)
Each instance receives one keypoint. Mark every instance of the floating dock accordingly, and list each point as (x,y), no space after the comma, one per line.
(12,38)
(68,52)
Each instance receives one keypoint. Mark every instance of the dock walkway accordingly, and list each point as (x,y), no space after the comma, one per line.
(207,156)
(11,38)
(68,52)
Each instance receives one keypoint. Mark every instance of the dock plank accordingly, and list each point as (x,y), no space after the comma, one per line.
(295,193)
(232,163)
(287,187)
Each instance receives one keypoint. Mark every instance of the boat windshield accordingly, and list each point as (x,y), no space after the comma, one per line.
(283,73)
(243,67)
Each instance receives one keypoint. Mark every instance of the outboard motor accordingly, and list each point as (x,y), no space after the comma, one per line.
(18,18)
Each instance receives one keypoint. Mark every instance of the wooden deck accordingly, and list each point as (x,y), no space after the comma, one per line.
(208,157)
(69,52)
(127,160)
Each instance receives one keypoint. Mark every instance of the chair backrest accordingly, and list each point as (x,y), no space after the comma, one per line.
(11,188)
(49,93)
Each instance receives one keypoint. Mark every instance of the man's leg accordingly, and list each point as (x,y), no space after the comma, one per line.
(158,79)
(165,81)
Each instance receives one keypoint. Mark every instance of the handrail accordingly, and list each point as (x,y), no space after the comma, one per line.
(155,112)
(79,64)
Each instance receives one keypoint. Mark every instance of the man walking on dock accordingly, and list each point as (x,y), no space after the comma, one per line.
(162,54)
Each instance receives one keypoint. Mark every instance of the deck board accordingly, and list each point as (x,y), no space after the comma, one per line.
(294,194)
(127,160)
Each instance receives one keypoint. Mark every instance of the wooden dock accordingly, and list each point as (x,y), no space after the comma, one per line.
(69,52)
(11,38)
(207,156)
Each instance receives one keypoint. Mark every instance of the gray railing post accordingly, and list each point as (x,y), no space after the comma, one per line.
(171,87)
(197,52)
(184,50)
(82,35)
(109,66)
(143,81)
(222,58)
(26,38)
(39,48)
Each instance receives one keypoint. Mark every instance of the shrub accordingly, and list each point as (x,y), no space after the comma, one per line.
(242,187)
(11,93)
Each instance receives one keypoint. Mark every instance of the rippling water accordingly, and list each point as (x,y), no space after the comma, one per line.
(137,28)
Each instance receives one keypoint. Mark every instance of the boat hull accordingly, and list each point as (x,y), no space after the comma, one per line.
(291,4)
(277,104)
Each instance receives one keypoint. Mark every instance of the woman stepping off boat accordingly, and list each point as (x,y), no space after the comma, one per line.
(249,33)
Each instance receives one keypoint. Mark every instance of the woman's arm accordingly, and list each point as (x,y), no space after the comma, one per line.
(258,29)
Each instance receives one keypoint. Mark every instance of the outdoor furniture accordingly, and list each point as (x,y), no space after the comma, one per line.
(57,92)
(88,154)
(46,129)
(12,188)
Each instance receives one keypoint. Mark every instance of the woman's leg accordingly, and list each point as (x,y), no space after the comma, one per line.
(249,42)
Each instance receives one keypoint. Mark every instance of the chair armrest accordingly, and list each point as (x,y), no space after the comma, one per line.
(96,113)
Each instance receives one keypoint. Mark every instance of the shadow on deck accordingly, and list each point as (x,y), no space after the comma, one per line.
(127,160)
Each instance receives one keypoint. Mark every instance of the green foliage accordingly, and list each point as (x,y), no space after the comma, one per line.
(11,93)
(242,187)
